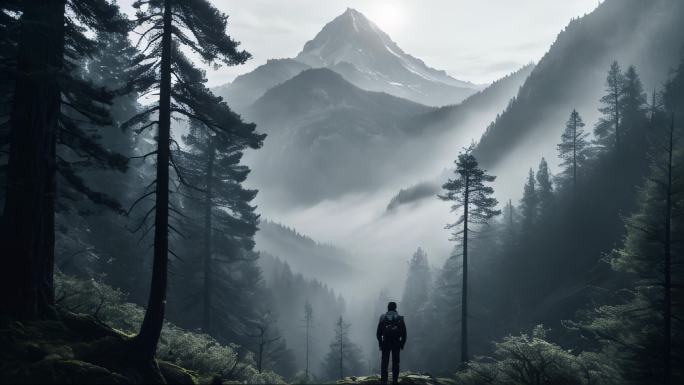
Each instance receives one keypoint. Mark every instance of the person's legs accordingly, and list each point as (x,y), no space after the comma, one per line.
(395,365)
(384,363)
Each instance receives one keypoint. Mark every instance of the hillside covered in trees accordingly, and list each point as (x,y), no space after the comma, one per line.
(160,227)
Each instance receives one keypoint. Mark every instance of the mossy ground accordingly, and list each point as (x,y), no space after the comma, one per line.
(76,349)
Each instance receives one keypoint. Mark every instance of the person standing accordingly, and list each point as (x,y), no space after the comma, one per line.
(391,335)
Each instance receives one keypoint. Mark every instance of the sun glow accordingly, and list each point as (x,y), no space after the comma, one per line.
(388,15)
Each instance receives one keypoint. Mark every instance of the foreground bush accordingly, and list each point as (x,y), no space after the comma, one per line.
(532,360)
(197,352)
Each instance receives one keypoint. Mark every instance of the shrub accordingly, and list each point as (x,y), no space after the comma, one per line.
(532,360)
(194,351)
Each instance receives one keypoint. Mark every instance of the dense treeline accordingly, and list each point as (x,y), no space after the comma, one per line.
(113,151)
(81,88)
(292,294)
(584,253)
(569,71)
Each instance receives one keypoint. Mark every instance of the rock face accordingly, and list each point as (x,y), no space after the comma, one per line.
(76,349)
(404,378)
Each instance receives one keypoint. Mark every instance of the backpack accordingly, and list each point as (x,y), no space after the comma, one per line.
(391,328)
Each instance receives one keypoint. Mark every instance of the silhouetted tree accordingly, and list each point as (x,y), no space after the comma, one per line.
(443,308)
(417,283)
(573,147)
(642,331)
(211,163)
(168,25)
(544,188)
(413,306)
(469,193)
(529,204)
(633,98)
(291,292)
(264,335)
(634,110)
(607,130)
(49,42)
(308,324)
(509,219)
(344,356)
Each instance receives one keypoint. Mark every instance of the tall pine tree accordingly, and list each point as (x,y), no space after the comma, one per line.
(529,204)
(573,148)
(607,130)
(414,306)
(49,98)
(308,324)
(168,25)
(544,188)
(344,357)
(468,193)
(226,225)
(642,329)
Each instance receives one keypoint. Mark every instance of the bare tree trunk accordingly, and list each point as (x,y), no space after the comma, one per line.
(668,263)
(27,250)
(464,291)
(152,324)
(206,318)
(574,153)
(341,360)
(308,325)
(261,351)
(616,94)
(341,341)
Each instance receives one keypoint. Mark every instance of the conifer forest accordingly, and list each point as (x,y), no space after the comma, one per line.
(342,192)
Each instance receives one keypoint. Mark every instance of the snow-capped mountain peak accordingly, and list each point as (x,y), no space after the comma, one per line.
(352,38)
(356,48)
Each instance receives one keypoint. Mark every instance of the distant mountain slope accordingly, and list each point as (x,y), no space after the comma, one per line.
(327,137)
(247,88)
(454,125)
(324,262)
(319,90)
(476,112)
(364,55)
(647,34)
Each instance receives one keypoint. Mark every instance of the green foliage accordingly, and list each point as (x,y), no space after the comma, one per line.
(194,351)
(533,360)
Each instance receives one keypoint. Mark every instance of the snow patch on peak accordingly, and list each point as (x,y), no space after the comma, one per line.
(379,62)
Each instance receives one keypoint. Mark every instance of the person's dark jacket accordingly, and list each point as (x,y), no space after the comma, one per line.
(397,343)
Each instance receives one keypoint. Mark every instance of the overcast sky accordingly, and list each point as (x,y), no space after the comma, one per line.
(475,40)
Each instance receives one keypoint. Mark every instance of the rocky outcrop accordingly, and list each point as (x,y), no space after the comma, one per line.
(404,378)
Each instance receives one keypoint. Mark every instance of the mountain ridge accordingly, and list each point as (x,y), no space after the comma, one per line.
(353,38)
(321,261)
(571,75)
(317,122)
(364,55)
